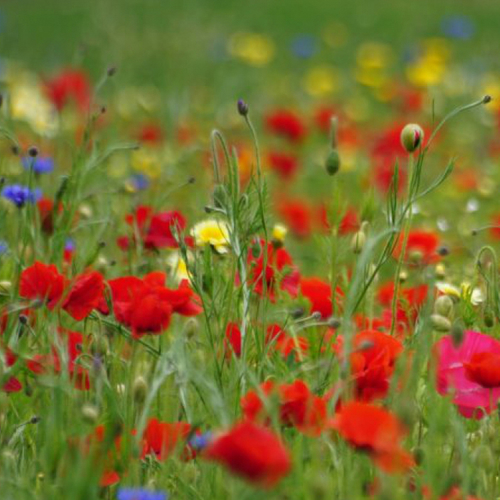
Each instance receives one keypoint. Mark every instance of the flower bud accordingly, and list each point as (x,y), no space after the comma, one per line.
(358,241)
(412,137)
(488,317)
(90,414)
(440,323)
(242,107)
(457,334)
(140,389)
(332,163)
(444,306)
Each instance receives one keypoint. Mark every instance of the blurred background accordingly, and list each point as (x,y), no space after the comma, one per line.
(204,53)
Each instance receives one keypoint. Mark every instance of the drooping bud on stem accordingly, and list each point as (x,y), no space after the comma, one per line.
(242,107)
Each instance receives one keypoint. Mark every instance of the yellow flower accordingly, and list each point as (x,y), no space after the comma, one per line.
(29,104)
(147,162)
(374,55)
(279,232)
(178,265)
(321,81)
(253,48)
(212,232)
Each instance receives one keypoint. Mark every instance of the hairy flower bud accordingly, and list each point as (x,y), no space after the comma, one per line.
(440,323)
(444,306)
(358,241)
(332,162)
(412,137)
(140,389)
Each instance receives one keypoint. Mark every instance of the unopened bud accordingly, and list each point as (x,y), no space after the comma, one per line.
(332,162)
(191,328)
(140,389)
(242,107)
(415,257)
(90,414)
(412,137)
(33,151)
(440,323)
(334,323)
(444,306)
(358,241)
(489,318)
(457,334)
(111,71)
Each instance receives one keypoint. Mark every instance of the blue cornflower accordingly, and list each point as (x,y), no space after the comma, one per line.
(70,246)
(304,46)
(200,441)
(140,494)
(41,164)
(20,195)
(459,27)
(3,247)
(139,181)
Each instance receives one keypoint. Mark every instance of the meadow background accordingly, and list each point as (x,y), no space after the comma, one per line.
(182,66)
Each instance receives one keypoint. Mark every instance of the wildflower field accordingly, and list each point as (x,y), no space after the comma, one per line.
(249,250)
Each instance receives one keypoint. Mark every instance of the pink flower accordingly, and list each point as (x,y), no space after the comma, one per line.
(472,399)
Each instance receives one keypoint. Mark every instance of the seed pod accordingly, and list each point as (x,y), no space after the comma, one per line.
(440,323)
(332,163)
(412,137)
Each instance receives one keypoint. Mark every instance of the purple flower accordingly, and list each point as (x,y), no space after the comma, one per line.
(304,46)
(459,27)
(200,441)
(140,494)
(139,182)
(20,195)
(41,164)
(4,248)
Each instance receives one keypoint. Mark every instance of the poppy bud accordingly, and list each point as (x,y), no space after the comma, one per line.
(440,323)
(5,286)
(332,163)
(415,257)
(403,276)
(358,241)
(90,414)
(457,334)
(191,327)
(412,137)
(489,318)
(334,323)
(111,71)
(444,306)
(33,151)
(140,389)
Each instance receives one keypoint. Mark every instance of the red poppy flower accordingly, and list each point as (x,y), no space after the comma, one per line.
(421,247)
(155,230)
(495,227)
(287,124)
(12,384)
(376,431)
(161,438)
(286,344)
(483,368)
(84,295)
(232,342)
(74,344)
(349,223)
(70,84)
(372,359)
(298,216)
(146,305)
(252,452)
(298,406)
(43,282)
(280,270)
(151,134)
(285,165)
(319,294)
